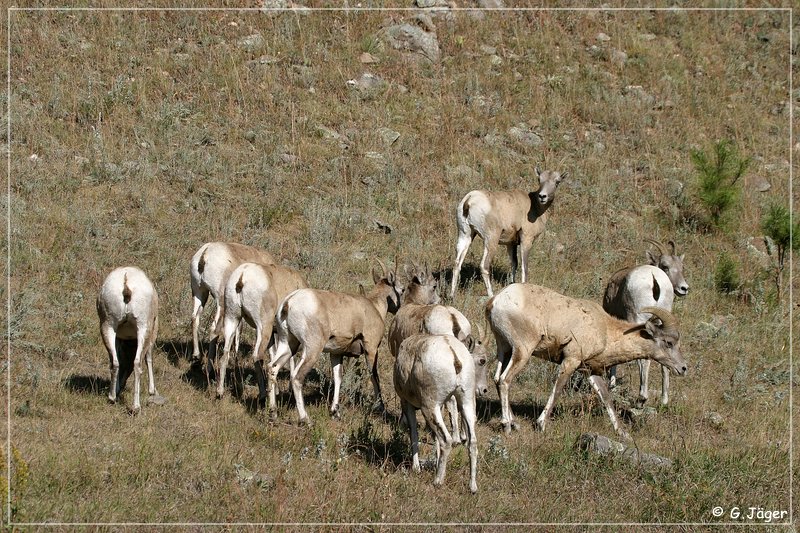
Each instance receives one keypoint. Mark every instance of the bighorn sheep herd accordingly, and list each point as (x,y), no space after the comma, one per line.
(438,361)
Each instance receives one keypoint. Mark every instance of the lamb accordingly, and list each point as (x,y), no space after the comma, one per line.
(420,312)
(428,371)
(532,320)
(630,290)
(252,294)
(337,323)
(209,270)
(513,218)
(127,307)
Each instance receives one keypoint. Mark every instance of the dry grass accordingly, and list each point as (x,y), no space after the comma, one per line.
(155,132)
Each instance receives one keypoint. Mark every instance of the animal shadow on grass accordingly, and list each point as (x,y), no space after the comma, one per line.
(470,274)
(83,384)
(368,442)
(490,409)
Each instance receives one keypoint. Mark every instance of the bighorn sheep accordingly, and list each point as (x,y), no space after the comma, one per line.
(128,310)
(252,294)
(630,290)
(513,218)
(532,320)
(209,270)
(337,323)
(420,312)
(428,371)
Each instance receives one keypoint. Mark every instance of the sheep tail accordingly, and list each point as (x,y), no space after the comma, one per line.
(126,291)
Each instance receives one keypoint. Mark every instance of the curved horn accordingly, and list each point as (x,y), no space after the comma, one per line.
(672,245)
(657,245)
(385,272)
(667,319)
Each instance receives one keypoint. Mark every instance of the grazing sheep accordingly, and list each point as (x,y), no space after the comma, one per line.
(310,321)
(531,320)
(252,294)
(632,289)
(421,313)
(128,310)
(209,270)
(513,218)
(428,371)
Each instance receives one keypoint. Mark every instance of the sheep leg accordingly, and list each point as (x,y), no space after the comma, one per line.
(524,250)
(443,441)
(512,256)
(110,340)
(230,326)
(504,353)
(336,369)
(565,371)
(599,386)
(664,385)
(200,297)
(371,357)
(466,404)
(462,247)
(612,377)
(489,248)
(308,358)
(282,351)
(151,389)
(644,377)
(411,418)
(141,339)
(452,410)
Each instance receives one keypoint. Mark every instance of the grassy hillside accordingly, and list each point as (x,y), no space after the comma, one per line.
(138,136)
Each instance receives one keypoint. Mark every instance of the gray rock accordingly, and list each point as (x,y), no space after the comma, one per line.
(647,36)
(491,4)
(524,135)
(388,136)
(413,39)
(383,227)
(761,184)
(327,133)
(594,444)
(488,50)
(714,419)
(425,22)
(251,42)
(156,399)
(367,83)
(367,58)
(431,3)
(603,38)
(618,57)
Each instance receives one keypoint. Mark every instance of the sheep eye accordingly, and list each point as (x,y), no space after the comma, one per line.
(482,361)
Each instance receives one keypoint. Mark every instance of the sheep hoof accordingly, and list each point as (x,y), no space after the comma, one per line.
(273,415)
(473,488)
(378,407)
(336,415)
(305,422)
(640,402)
(134,411)
(507,428)
(540,424)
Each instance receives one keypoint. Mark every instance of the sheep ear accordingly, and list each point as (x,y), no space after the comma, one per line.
(538,170)
(682,256)
(562,177)
(375,276)
(469,342)
(361,290)
(652,258)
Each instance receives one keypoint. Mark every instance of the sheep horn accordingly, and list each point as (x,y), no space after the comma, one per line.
(657,245)
(668,320)
(385,272)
